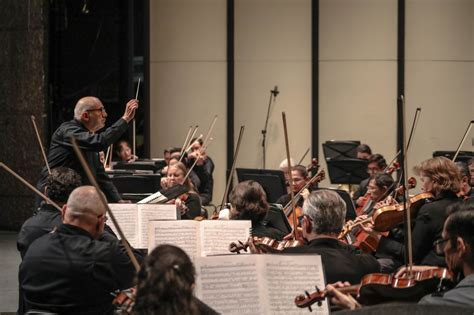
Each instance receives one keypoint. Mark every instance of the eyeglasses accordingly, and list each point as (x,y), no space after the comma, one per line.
(106,218)
(101,109)
(440,244)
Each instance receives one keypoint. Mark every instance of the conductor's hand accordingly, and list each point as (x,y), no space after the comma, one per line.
(130,110)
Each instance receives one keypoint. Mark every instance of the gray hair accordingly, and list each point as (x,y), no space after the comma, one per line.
(327,211)
(84,202)
(83,105)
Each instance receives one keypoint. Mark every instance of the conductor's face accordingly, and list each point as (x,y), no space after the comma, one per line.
(96,116)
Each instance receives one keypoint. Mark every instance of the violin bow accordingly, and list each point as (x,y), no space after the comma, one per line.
(106,158)
(234,160)
(33,188)
(33,120)
(463,139)
(203,148)
(93,181)
(186,140)
(302,158)
(403,155)
(134,125)
(187,146)
(290,177)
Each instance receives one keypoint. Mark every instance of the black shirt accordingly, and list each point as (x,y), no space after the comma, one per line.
(341,262)
(69,272)
(61,152)
(42,222)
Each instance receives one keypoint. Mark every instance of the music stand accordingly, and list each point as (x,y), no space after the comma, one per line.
(348,171)
(276,218)
(336,150)
(463,156)
(272,181)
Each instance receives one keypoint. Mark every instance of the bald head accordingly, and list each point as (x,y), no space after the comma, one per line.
(84,204)
(85,104)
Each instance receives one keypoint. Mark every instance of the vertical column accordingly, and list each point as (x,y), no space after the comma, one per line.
(22,94)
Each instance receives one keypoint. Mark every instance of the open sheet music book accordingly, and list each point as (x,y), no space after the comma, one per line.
(258,284)
(133,219)
(199,238)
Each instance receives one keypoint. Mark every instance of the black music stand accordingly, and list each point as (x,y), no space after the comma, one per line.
(272,181)
(463,156)
(347,171)
(336,150)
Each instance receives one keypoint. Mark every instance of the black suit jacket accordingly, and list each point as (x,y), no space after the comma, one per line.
(71,273)
(341,262)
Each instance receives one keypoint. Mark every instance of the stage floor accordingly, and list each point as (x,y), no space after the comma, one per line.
(9,263)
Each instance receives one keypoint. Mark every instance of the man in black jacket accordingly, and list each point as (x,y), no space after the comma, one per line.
(59,186)
(89,118)
(324,213)
(70,271)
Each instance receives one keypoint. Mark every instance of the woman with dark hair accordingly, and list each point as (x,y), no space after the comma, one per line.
(249,202)
(165,284)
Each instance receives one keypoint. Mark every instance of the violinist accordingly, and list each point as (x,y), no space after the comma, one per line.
(363,151)
(377,164)
(59,186)
(300,178)
(124,152)
(204,169)
(249,202)
(89,118)
(440,177)
(165,284)
(380,186)
(71,271)
(457,245)
(189,204)
(324,213)
(467,192)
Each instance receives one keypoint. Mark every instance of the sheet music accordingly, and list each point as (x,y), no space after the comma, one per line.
(216,235)
(292,274)
(150,212)
(183,234)
(229,284)
(126,216)
(258,284)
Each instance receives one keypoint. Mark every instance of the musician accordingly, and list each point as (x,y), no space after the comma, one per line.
(59,186)
(124,151)
(165,284)
(380,186)
(324,215)
(457,245)
(69,271)
(249,202)
(300,179)
(467,192)
(441,177)
(89,118)
(189,204)
(470,164)
(377,164)
(363,151)
(203,169)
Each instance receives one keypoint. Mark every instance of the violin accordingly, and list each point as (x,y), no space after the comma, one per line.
(379,287)
(383,219)
(124,300)
(388,217)
(264,244)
